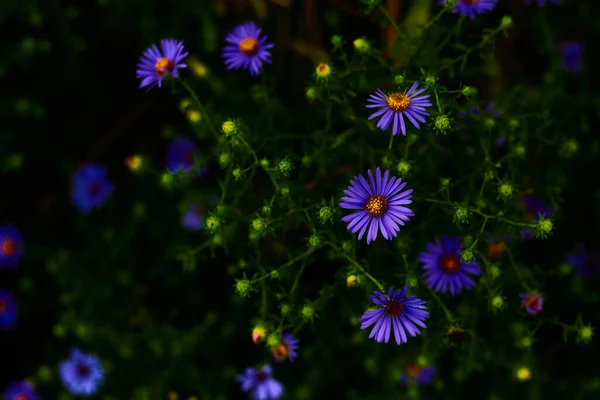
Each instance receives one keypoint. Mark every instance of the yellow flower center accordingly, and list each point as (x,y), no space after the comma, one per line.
(376,205)
(398,102)
(249,46)
(323,70)
(163,66)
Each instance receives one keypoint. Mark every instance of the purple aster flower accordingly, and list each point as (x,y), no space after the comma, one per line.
(397,313)
(286,348)
(90,187)
(531,302)
(260,384)
(541,2)
(536,207)
(21,390)
(417,375)
(395,106)
(381,204)
(8,310)
(192,220)
(11,246)
(572,56)
(155,64)
(246,48)
(583,263)
(181,155)
(469,8)
(444,269)
(82,374)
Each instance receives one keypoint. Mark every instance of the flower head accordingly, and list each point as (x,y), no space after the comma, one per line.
(286,348)
(81,373)
(397,313)
(90,187)
(572,56)
(157,63)
(417,375)
(469,8)
(381,204)
(260,384)
(8,309)
(395,106)
(246,48)
(192,220)
(531,302)
(182,153)
(11,246)
(21,390)
(444,269)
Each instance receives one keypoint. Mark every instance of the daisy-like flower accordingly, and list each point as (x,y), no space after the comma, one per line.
(541,2)
(417,375)
(192,220)
(572,56)
(8,310)
(444,269)
(82,374)
(260,384)
(156,64)
(246,48)
(11,246)
(21,390)
(381,204)
(90,187)
(397,313)
(181,155)
(287,348)
(531,302)
(395,106)
(469,8)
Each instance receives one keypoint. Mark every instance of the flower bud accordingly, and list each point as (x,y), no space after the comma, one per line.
(442,124)
(325,214)
(308,312)
(259,224)
(461,214)
(258,334)
(361,45)
(285,166)
(229,128)
(505,191)
(243,287)
(585,334)
(403,168)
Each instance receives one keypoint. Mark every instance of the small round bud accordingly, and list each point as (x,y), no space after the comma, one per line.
(229,128)
(430,81)
(217,240)
(386,161)
(352,281)
(494,271)
(285,310)
(543,228)
(167,180)
(496,303)
(212,224)
(489,123)
(193,116)
(258,334)
(514,123)
(489,175)
(346,246)
(273,340)
(361,45)
(224,159)
(323,71)
(237,174)
(274,274)
(44,374)
(134,163)
(444,182)
(505,191)
(325,214)
(314,241)
(468,91)
(412,281)
(523,374)
(285,191)
(412,139)
(264,163)
(285,166)
(467,256)
(506,22)
(461,214)
(242,263)
(442,124)
(585,334)
(306,161)
(569,148)
(399,80)
(336,41)
(403,168)
(185,103)
(259,224)
(308,312)
(82,331)
(526,342)
(243,287)
(311,93)
(519,150)
(266,210)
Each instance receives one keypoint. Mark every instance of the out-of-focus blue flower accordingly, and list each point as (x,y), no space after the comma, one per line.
(82,374)
(381,204)
(155,64)
(192,220)
(444,269)
(583,263)
(417,375)
(541,2)
(246,48)
(396,313)
(8,310)
(572,56)
(11,246)
(469,8)
(90,187)
(287,348)
(260,384)
(181,155)
(21,390)
(393,108)
(531,302)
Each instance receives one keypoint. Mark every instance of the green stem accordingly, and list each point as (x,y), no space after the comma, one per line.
(200,107)
(517,269)
(357,265)
(297,279)
(449,315)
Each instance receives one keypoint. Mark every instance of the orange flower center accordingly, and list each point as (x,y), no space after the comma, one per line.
(412,369)
(376,205)
(21,397)
(281,352)
(249,46)
(469,1)
(2,306)
(495,249)
(8,247)
(163,66)
(532,301)
(398,102)
(393,308)
(449,263)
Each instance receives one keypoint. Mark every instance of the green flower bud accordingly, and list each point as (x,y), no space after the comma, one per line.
(237,174)
(224,159)
(306,161)
(404,168)
(44,373)
(361,45)
(259,224)
(217,240)
(346,246)
(514,123)
(264,163)
(430,81)
(585,334)
(82,331)
(285,192)
(489,175)
(308,312)
(229,128)
(444,182)
(489,123)
(167,180)
(467,256)
(519,150)
(442,124)
(212,224)
(273,340)
(243,287)
(314,241)
(526,342)
(242,263)
(543,228)
(285,309)
(266,210)
(506,22)
(411,281)
(399,80)
(311,93)
(494,272)
(496,303)
(505,191)
(468,91)
(185,103)
(461,214)
(274,274)
(285,166)
(325,214)
(569,148)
